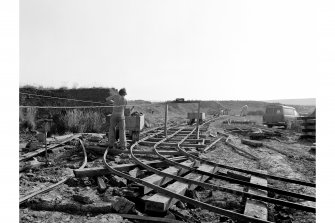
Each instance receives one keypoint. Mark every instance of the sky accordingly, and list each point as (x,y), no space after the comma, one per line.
(162,50)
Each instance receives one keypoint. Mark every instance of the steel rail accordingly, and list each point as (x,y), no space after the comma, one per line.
(304,183)
(22,200)
(215,187)
(271,189)
(159,189)
(288,180)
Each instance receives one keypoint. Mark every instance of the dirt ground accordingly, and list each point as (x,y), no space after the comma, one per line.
(289,157)
(285,159)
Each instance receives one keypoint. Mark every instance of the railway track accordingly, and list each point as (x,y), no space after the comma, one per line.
(180,139)
(182,134)
(66,178)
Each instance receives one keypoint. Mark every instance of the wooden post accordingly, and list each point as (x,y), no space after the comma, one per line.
(198,120)
(166,117)
(45,146)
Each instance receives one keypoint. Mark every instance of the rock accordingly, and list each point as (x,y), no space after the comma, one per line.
(31,146)
(117,160)
(86,181)
(72,182)
(191,194)
(86,196)
(91,157)
(118,204)
(121,205)
(105,218)
(136,172)
(117,181)
(22,146)
(95,138)
(101,185)
(124,156)
(30,175)
(46,198)
(183,214)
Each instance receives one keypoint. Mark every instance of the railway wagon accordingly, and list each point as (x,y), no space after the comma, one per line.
(192,116)
(134,125)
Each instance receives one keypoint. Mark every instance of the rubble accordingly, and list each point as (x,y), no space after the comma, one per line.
(136,172)
(117,181)
(117,203)
(95,137)
(31,146)
(101,185)
(85,197)
(93,198)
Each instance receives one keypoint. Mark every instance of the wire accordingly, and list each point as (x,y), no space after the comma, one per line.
(63,107)
(69,99)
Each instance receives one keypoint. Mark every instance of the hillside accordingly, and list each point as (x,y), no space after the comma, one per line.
(301,101)
(154,111)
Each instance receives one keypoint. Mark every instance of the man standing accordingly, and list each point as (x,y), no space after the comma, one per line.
(244,111)
(119,103)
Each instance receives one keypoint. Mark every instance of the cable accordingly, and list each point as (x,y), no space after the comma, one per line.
(69,99)
(63,107)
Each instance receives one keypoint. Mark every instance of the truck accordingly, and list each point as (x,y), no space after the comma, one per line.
(280,115)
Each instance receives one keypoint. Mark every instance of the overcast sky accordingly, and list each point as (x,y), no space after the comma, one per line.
(161,50)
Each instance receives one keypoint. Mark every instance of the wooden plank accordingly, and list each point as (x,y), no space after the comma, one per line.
(160,202)
(251,143)
(255,208)
(160,180)
(212,144)
(50,147)
(100,171)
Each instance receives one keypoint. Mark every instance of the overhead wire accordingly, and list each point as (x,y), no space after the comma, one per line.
(103,105)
